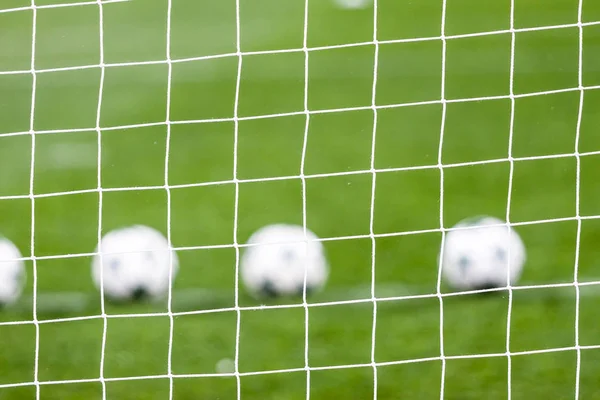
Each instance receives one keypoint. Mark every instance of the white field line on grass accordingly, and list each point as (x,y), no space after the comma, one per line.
(205,301)
(69,155)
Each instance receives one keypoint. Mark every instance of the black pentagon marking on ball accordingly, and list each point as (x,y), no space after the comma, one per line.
(288,256)
(300,290)
(19,275)
(139,293)
(463,264)
(114,264)
(500,254)
(267,289)
(488,287)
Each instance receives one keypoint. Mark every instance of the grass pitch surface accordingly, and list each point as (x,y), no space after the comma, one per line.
(407,345)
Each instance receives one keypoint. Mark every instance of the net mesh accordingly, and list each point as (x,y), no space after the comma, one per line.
(372,171)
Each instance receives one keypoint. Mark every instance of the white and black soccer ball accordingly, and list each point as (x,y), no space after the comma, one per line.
(483,256)
(279,257)
(135,264)
(12,272)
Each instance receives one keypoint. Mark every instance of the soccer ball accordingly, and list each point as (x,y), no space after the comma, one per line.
(482,256)
(353,4)
(12,272)
(135,263)
(276,263)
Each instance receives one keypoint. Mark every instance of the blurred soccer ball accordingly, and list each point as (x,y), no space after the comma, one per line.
(12,272)
(353,4)
(483,256)
(276,264)
(135,263)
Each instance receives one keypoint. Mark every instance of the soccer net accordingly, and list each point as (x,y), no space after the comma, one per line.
(378,139)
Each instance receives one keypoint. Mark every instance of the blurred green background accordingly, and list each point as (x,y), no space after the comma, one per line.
(405,200)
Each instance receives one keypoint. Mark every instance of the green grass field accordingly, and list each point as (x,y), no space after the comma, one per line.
(406,200)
